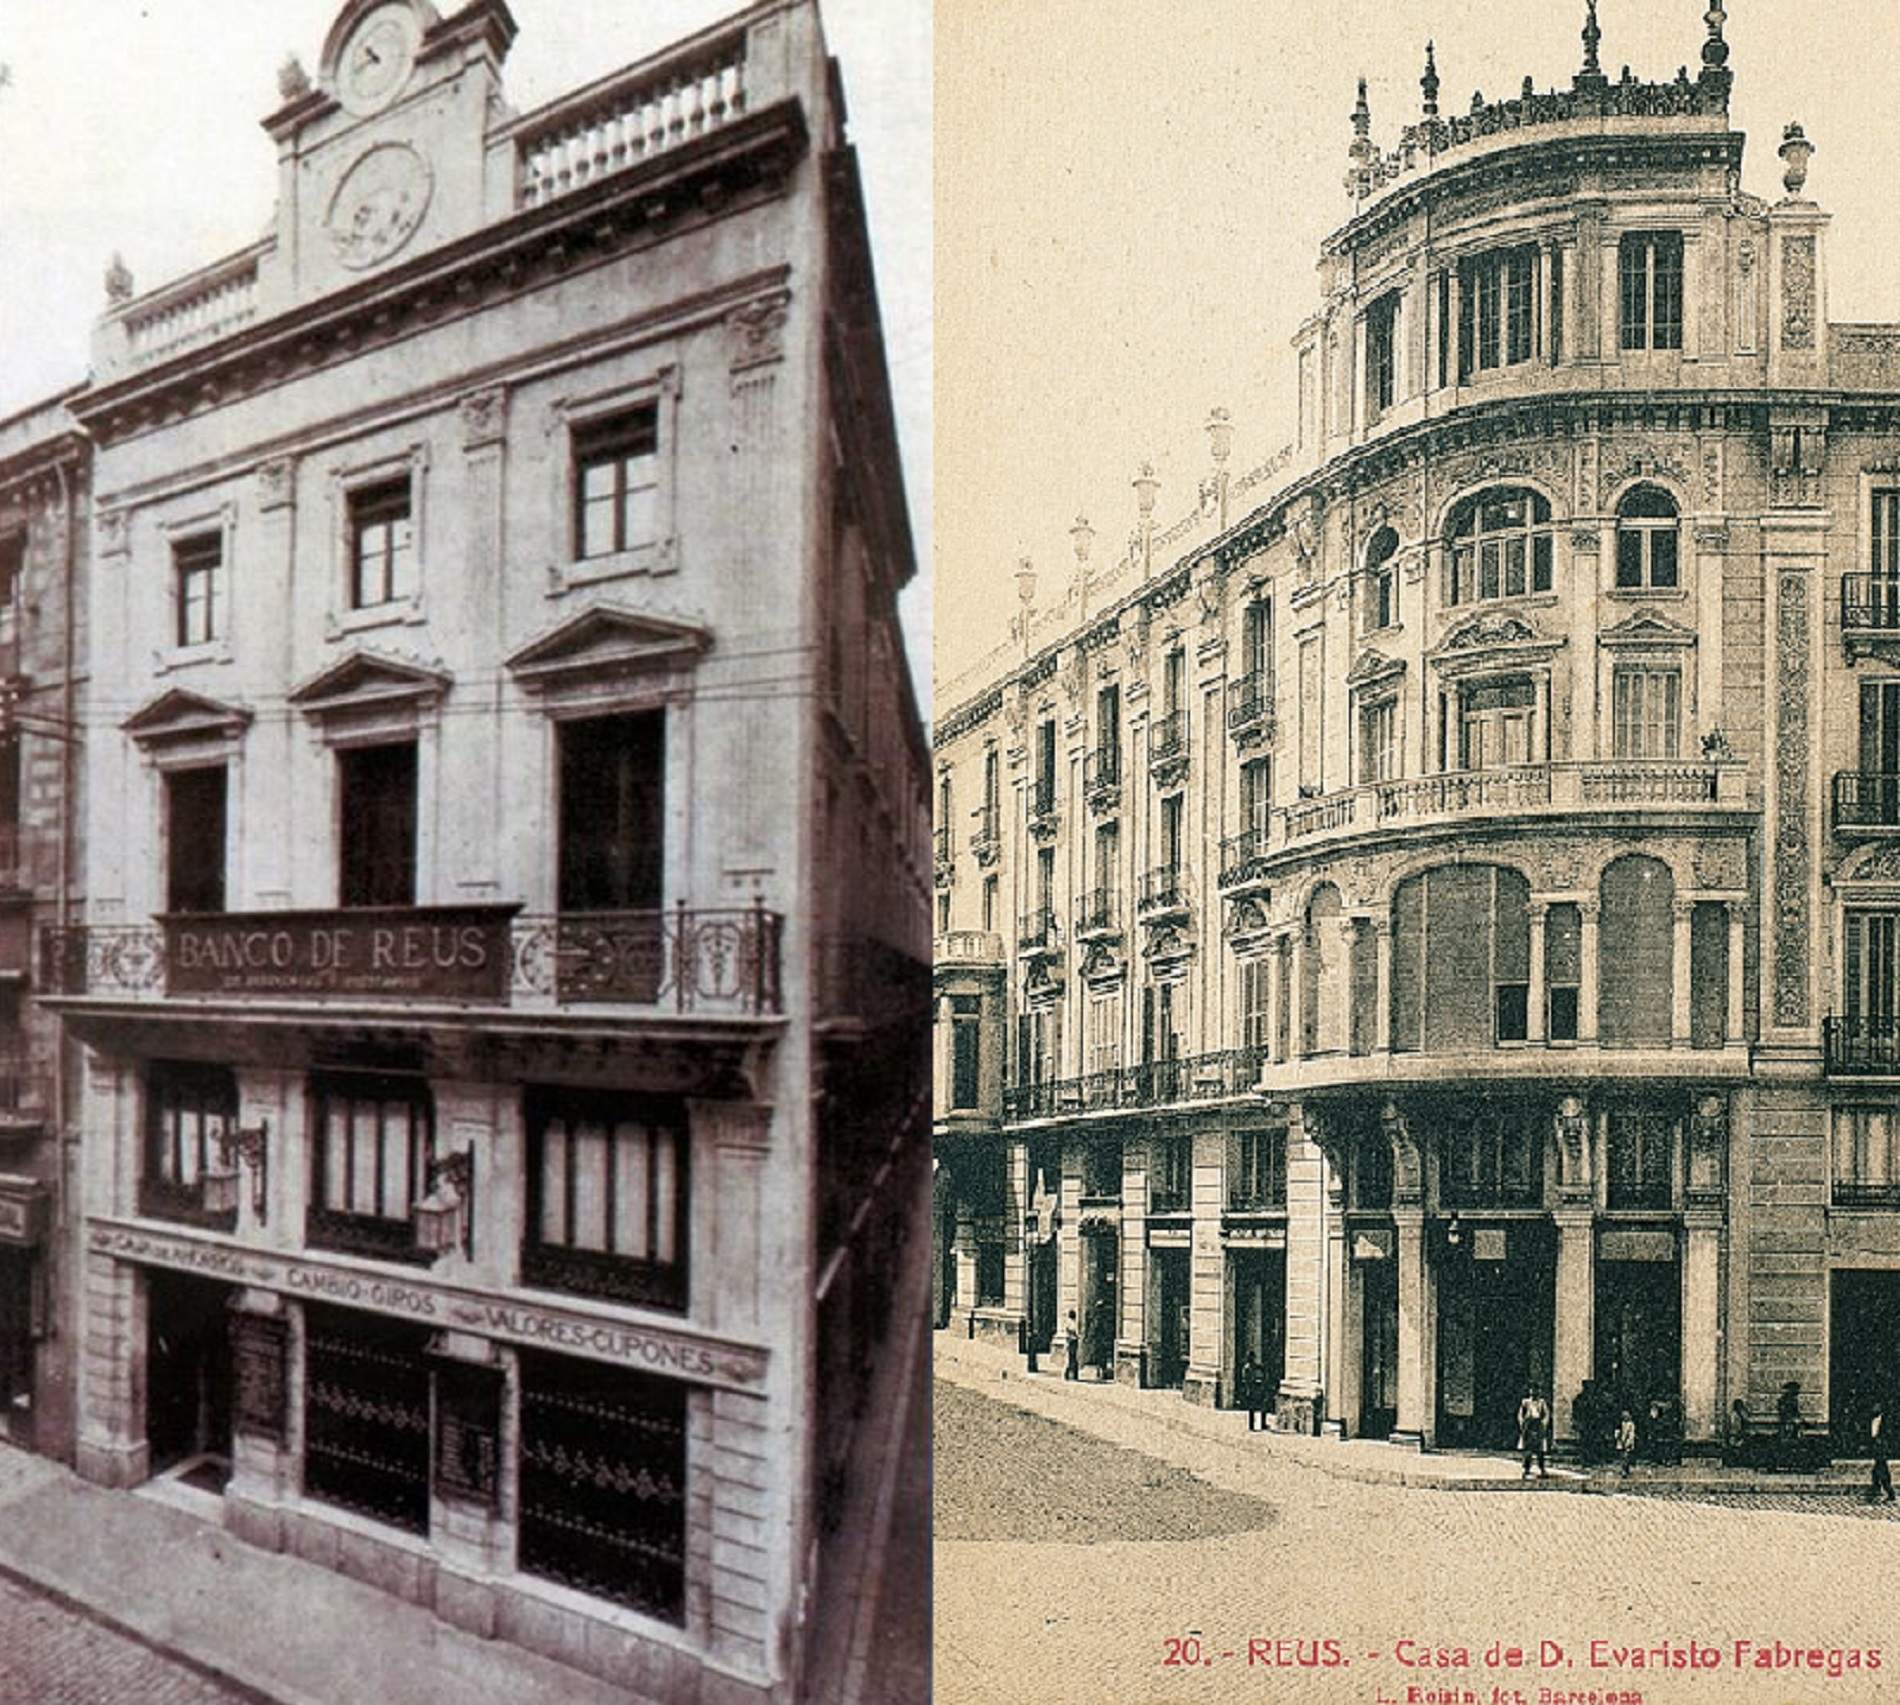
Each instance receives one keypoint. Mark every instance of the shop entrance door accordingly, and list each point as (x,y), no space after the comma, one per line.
(188,1377)
(1042,1294)
(1863,1354)
(1379,1350)
(1639,1333)
(1171,1324)
(1100,1250)
(1260,1315)
(1496,1314)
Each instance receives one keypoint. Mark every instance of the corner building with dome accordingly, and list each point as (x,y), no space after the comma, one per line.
(1427,923)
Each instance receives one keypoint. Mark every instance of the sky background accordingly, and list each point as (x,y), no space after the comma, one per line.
(1131,199)
(135,127)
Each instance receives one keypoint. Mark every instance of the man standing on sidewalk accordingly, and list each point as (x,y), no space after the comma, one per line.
(1533,1431)
(1883,1474)
(1071,1349)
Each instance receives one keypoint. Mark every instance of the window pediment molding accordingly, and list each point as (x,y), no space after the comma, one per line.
(179,716)
(1374,669)
(607,646)
(1650,629)
(1496,639)
(365,685)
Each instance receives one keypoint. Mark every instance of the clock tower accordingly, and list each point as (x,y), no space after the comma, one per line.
(382,157)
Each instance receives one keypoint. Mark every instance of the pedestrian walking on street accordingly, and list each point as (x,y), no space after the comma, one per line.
(1533,1431)
(1737,1455)
(1253,1393)
(1788,1427)
(1071,1349)
(1626,1441)
(1882,1486)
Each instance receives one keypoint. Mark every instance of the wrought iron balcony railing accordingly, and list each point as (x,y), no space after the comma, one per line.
(1865,799)
(1870,603)
(1219,1076)
(943,845)
(679,960)
(1101,770)
(1164,889)
(1249,700)
(1098,914)
(1866,1047)
(1037,928)
(1168,738)
(1241,853)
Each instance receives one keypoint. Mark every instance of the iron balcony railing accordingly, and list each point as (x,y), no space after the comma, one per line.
(1182,1080)
(1250,700)
(1870,603)
(724,960)
(1041,797)
(1868,1047)
(1865,799)
(1101,770)
(1240,854)
(1097,913)
(1037,928)
(1168,737)
(984,835)
(1164,889)
(942,844)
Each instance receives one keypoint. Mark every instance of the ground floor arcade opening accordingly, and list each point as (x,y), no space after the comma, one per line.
(1639,1323)
(1863,1352)
(1496,1318)
(1259,1278)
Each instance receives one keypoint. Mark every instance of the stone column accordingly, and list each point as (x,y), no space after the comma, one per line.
(112,1448)
(1132,1324)
(1296,996)
(1208,1380)
(263,1470)
(1701,1320)
(1737,951)
(964,1250)
(1382,1015)
(1576,1311)
(1342,1316)
(1302,1397)
(1679,1036)
(1414,1425)
(1590,911)
(1538,912)
(1016,1197)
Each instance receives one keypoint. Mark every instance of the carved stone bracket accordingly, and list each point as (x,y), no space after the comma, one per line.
(1573,1148)
(1708,1147)
(757,330)
(1408,1164)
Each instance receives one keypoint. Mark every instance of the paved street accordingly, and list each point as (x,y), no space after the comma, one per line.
(1067,1562)
(51,1655)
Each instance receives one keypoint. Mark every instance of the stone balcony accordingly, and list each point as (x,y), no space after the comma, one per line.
(1622,788)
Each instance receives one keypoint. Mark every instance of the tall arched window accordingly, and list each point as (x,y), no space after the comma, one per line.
(1382,580)
(1461,953)
(1648,556)
(1636,953)
(1501,545)
(1323,975)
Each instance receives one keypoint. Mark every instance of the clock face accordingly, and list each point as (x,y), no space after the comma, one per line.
(375,61)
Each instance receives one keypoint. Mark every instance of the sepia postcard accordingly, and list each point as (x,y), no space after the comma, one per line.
(464,874)
(1416,766)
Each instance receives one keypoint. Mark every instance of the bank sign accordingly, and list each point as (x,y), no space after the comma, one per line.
(414,952)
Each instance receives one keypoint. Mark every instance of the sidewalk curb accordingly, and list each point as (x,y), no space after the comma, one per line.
(1311,1453)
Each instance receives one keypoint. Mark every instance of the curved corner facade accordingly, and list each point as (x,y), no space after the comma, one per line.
(1435,930)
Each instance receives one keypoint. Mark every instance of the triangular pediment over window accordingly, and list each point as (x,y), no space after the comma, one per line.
(1496,637)
(607,642)
(1647,627)
(179,715)
(368,680)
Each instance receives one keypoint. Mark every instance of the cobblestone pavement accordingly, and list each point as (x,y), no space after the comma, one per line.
(1344,1582)
(52,1655)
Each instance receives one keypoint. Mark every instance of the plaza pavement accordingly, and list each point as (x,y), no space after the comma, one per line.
(1318,1541)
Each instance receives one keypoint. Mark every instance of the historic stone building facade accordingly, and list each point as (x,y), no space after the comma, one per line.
(1432,929)
(494,569)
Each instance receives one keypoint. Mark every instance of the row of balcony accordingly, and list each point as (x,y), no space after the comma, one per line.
(1152,1083)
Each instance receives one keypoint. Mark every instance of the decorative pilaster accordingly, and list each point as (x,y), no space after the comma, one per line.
(1737,948)
(1576,1312)
(1382,1016)
(1680,962)
(1590,912)
(1538,912)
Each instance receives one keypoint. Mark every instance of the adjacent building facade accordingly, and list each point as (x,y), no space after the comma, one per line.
(1424,924)
(494,569)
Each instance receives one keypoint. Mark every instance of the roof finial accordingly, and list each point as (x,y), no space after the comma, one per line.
(1362,113)
(1592,37)
(1361,153)
(1715,49)
(1429,82)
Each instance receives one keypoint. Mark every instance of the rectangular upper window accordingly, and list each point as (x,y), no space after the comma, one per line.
(607,1196)
(1650,278)
(1382,323)
(188,1110)
(617,483)
(199,595)
(1497,312)
(382,544)
(371,1140)
(1648,708)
